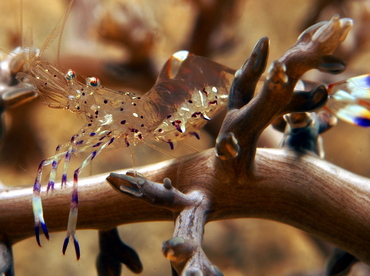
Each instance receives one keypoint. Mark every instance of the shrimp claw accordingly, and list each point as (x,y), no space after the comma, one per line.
(72,223)
(37,206)
(39,219)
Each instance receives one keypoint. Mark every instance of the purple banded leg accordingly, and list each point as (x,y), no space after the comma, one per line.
(73,213)
(67,158)
(54,167)
(37,205)
(72,220)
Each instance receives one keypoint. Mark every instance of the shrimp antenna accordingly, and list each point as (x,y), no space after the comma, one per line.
(58,32)
(26,31)
(21,18)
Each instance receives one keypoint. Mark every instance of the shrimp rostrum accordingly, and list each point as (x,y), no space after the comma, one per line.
(189,91)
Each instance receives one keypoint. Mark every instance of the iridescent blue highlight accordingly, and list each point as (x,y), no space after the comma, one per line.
(65,244)
(367,79)
(364,122)
(76,245)
(77,248)
(37,234)
(45,230)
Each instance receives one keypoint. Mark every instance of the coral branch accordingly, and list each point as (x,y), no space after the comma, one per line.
(184,249)
(113,252)
(6,258)
(156,194)
(277,97)
(246,78)
(305,192)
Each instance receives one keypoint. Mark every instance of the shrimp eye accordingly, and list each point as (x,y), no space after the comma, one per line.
(70,74)
(93,81)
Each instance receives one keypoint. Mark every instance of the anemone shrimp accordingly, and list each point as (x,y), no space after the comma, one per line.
(189,91)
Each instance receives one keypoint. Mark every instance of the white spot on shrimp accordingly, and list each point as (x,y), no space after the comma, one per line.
(94,107)
(135,115)
(175,63)
(107,120)
(181,55)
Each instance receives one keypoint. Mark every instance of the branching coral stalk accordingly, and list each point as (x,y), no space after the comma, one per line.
(184,249)
(306,192)
(246,119)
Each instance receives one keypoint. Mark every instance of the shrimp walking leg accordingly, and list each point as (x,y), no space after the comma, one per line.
(68,158)
(73,213)
(54,166)
(36,197)
(65,166)
(37,204)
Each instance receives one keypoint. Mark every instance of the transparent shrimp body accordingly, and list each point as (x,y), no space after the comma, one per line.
(189,91)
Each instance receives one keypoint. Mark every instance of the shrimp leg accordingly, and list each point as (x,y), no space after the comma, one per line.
(67,158)
(37,203)
(36,198)
(73,213)
(54,166)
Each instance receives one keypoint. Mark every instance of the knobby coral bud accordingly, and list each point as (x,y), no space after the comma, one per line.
(227,146)
(276,75)
(330,29)
(167,183)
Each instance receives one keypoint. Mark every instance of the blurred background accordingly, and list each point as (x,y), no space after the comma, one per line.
(125,43)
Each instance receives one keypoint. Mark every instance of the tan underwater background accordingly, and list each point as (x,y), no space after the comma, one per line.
(238,247)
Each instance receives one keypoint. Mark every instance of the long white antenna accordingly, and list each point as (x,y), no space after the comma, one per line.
(26,31)
(57,32)
(21,20)
(64,18)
